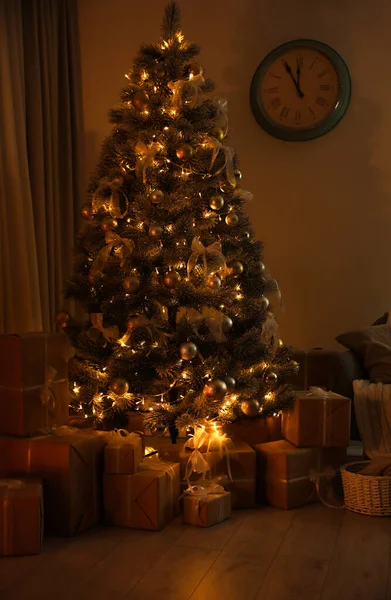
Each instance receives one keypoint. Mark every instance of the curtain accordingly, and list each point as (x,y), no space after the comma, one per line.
(41,158)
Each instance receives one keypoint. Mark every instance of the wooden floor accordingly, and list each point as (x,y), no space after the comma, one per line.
(312,553)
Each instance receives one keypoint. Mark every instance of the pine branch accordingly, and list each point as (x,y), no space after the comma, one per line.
(171,20)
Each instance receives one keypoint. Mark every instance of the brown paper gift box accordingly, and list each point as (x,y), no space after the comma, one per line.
(316,421)
(71,468)
(124,457)
(21,517)
(25,367)
(254,431)
(208,510)
(283,472)
(146,500)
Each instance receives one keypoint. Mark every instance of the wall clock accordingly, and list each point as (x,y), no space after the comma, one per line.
(300,91)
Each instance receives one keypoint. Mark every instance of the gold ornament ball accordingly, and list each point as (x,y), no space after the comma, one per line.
(260,267)
(108,224)
(86,210)
(264,302)
(226,324)
(184,151)
(217,133)
(232,219)
(62,318)
(271,378)
(238,174)
(216,202)
(216,389)
(236,268)
(140,100)
(195,69)
(213,282)
(119,386)
(225,186)
(155,231)
(188,350)
(131,283)
(230,383)
(158,430)
(156,196)
(171,278)
(250,408)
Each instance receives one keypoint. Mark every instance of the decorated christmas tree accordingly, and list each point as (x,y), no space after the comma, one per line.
(179,324)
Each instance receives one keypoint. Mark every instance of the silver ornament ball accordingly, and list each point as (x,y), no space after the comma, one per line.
(216,202)
(119,386)
(213,282)
(230,383)
(236,268)
(156,196)
(158,430)
(264,302)
(250,408)
(155,231)
(171,278)
(216,389)
(232,219)
(131,283)
(271,378)
(226,324)
(188,350)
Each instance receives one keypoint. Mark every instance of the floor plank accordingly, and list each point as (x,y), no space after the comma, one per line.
(215,537)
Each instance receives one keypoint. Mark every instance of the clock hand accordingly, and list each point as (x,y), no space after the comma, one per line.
(297,85)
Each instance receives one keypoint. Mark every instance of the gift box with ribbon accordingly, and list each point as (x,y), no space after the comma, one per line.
(21,517)
(254,431)
(124,452)
(206,506)
(288,477)
(148,499)
(318,418)
(33,382)
(70,463)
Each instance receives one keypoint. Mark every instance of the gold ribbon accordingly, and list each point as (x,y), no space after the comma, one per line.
(213,250)
(113,203)
(178,87)
(196,463)
(112,239)
(109,333)
(154,326)
(325,414)
(228,164)
(212,318)
(118,439)
(154,463)
(145,159)
(222,114)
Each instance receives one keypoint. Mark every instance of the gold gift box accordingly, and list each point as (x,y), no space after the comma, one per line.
(208,510)
(124,456)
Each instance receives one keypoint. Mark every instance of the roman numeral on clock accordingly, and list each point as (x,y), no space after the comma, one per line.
(326,86)
(284,112)
(272,90)
(297,116)
(275,102)
(321,101)
(323,73)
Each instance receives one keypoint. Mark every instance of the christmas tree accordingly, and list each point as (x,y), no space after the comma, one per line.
(166,263)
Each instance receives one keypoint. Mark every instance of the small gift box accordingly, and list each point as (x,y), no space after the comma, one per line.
(21,517)
(254,431)
(287,475)
(148,499)
(124,452)
(206,506)
(70,464)
(33,382)
(318,418)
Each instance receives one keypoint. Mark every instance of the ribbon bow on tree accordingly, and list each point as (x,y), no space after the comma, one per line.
(194,85)
(228,164)
(154,326)
(212,318)
(212,254)
(112,239)
(110,204)
(145,159)
(109,333)
(222,114)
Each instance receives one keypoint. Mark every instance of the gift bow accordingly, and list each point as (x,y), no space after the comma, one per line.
(154,326)
(198,249)
(317,391)
(122,436)
(109,333)
(112,239)
(201,491)
(228,164)
(222,113)
(196,462)
(146,158)
(212,318)
(195,84)
(112,204)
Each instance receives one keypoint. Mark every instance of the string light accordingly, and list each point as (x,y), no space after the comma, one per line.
(76,389)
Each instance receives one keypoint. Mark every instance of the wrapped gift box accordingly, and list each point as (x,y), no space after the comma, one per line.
(206,510)
(146,500)
(254,431)
(33,382)
(318,419)
(124,454)
(21,517)
(284,472)
(71,468)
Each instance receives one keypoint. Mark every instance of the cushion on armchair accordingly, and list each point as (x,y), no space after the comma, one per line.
(372,345)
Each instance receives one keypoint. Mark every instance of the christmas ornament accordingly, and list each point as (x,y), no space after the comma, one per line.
(156,196)
(271,378)
(264,302)
(158,69)
(158,430)
(217,133)
(184,151)
(62,318)
(171,278)
(140,100)
(131,283)
(216,389)
(230,383)
(155,231)
(260,267)
(213,282)
(131,323)
(236,268)
(238,174)
(250,408)
(226,324)
(108,224)
(188,350)
(119,386)
(232,219)
(225,186)
(195,69)
(246,235)
(216,202)
(86,210)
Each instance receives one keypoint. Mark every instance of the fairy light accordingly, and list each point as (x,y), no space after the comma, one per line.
(144,75)
(169,228)
(155,89)
(179,36)
(140,225)
(76,388)
(269,396)
(239,296)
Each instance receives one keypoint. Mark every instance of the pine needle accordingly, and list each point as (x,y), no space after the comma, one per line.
(171,20)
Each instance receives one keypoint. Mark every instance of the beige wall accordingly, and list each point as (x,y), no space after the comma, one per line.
(322,208)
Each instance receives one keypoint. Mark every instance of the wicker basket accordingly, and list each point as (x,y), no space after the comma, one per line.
(366,494)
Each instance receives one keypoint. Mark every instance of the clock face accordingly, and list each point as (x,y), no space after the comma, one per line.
(300,91)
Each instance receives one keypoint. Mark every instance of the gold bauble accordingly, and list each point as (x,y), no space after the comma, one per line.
(155,231)
(217,133)
(108,224)
(156,196)
(260,267)
(119,386)
(158,430)
(188,350)
(140,100)
(216,202)
(238,174)
(235,268)
(213,282)
(62,318)
(131,283)
(225,186)
(264,302)
(226,324)
(184,151)
(195,69)
(232,219)
(216,389)
(271,378)
(250,408)
(86,210)
(230,383)
(171,278)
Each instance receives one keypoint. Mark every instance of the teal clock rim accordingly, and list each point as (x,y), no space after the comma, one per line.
(334,118)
